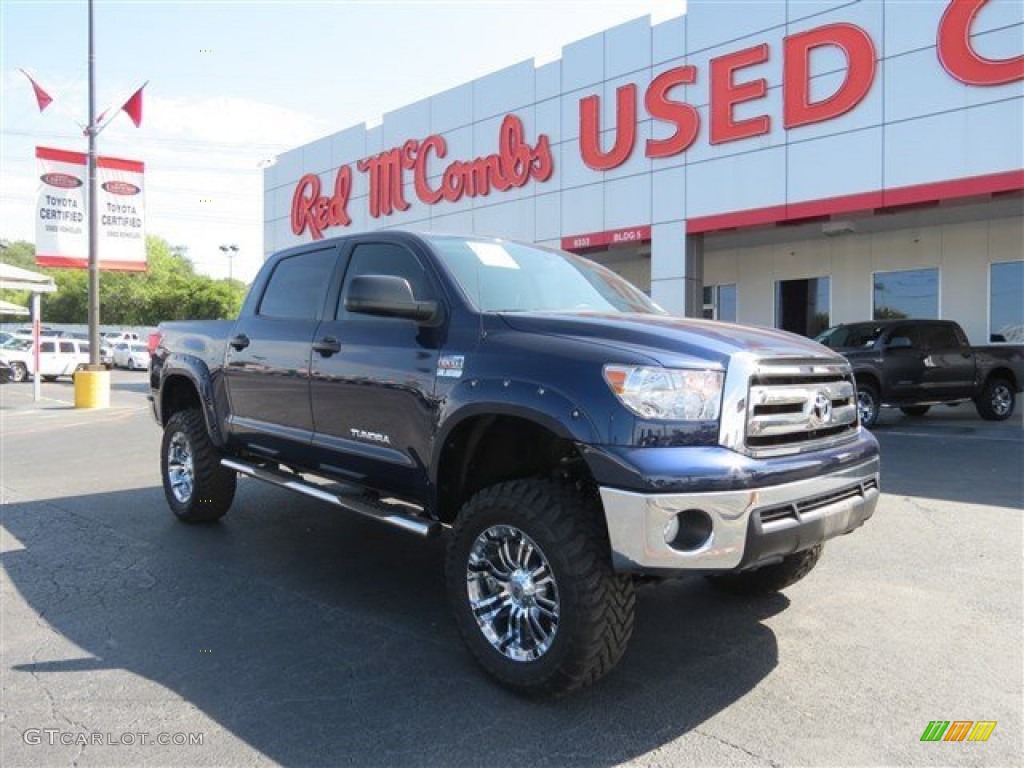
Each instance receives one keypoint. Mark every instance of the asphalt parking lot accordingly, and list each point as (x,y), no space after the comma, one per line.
(293,634)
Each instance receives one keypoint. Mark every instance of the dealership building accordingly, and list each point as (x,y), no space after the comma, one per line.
(787,164)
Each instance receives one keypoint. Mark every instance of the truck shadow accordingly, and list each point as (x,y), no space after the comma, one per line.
(320,639)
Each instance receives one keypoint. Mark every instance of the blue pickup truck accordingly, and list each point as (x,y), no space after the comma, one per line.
(567,435)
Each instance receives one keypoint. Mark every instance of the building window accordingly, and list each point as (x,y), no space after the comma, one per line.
(1006,302)
(909,293)
(720,302)
(803,306)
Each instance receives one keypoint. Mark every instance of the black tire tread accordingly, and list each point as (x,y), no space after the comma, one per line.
(606,600)
(870,388)
(772,578)
(19,372)
(214,485)
(984,400)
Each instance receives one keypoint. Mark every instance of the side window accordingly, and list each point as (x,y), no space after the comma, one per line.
(385,259)
(941,337)
(911,332)
(67,347)
(298,286)
(47,346)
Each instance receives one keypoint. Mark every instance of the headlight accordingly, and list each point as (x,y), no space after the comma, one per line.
(667,394)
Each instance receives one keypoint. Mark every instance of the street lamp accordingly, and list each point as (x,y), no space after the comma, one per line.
(230,251)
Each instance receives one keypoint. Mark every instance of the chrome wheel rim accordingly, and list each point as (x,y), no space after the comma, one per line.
(512,593)
(865,406)
(1001,400)
(180,472)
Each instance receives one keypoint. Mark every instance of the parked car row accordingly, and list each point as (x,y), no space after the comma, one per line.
(62,356)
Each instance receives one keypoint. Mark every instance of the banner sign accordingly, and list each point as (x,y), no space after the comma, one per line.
(62,218)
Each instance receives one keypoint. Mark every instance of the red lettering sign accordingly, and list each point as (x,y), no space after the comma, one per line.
(685,118)
(594,240)
(514,165)
(625,130)
(860,73)
(310,209)
(958,55)
(726,93)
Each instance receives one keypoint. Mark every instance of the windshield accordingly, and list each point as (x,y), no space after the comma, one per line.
(850,336)
(502,276)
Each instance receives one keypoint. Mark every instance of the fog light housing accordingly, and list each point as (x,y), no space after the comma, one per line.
(689,530)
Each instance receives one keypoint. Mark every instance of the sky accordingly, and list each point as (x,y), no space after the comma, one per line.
(232,84)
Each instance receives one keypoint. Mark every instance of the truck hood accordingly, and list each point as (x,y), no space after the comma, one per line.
(670,340)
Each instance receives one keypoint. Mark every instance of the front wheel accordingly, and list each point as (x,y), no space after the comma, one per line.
(996,401)
(771,578)
(18,372)
(531,584)
(197,487)
(868,405)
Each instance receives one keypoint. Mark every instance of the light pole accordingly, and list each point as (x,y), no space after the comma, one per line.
(230,251)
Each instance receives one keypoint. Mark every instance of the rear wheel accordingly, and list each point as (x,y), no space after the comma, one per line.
(18,372)
(533,591)
(771,578)
(915,410)
(996,401)
(197,487)
(867,403)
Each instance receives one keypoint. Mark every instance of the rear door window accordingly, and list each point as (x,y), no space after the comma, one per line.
(297,288)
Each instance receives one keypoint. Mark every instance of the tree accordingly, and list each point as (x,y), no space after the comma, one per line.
(169,289)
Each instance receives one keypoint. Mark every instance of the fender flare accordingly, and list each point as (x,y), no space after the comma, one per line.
(528,401)
(195,370)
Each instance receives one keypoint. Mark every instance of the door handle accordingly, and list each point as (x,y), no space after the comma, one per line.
(327,346)
(239,342)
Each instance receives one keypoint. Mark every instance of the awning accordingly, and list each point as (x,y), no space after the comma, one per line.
(18,279)
(7,308)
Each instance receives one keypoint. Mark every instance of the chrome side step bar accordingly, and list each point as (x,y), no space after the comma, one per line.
(376,510)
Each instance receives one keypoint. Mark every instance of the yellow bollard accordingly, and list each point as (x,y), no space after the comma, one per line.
(92,389)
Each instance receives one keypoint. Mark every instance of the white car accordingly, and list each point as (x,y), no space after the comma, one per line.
(57,357)
(131,356)
(113,338)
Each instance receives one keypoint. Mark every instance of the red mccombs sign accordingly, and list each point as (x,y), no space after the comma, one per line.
(516,162)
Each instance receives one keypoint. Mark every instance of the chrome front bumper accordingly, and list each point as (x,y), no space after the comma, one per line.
(747,526)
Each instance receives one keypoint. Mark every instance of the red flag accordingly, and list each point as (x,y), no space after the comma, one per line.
(133,107)
(42,97)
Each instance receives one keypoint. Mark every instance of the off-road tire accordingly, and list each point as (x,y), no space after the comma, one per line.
(596,605)
(915,410)
(213,486)
(771,578)
(868,404)
(18,372)
(997,400)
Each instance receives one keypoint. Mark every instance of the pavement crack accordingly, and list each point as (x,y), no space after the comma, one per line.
(737,747)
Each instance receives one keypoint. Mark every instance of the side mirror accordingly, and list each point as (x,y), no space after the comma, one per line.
(899,342)
(388,296)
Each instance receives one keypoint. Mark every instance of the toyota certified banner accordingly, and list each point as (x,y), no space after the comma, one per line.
(62,218)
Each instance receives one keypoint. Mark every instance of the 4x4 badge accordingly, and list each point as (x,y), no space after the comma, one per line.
(450,366)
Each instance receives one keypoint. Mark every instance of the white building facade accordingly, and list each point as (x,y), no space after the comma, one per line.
(788,164)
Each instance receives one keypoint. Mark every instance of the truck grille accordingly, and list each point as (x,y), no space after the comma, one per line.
(794,410)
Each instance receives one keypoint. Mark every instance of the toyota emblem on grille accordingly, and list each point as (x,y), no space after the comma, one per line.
(821,411)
